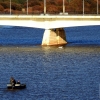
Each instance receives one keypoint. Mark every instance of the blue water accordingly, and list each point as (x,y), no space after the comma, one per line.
(20,36)
(33,36)
(50,73)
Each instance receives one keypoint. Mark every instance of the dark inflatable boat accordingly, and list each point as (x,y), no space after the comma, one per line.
(17,86)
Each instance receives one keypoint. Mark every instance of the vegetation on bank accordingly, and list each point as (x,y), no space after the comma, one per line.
(52,6)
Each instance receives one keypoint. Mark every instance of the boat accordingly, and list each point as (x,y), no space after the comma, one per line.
(17,86)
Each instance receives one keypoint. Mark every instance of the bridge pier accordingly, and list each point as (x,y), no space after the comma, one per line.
(54,37)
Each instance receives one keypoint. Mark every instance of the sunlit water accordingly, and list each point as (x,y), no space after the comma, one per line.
(50,73)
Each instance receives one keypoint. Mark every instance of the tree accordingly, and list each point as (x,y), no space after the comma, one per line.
(76,6)
(1,8)
(5,5)
(15,6)
(52,9)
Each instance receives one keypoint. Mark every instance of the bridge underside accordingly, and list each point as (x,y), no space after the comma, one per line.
(54,37)
(54,34)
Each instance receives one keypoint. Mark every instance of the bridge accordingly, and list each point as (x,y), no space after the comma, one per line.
(53,24)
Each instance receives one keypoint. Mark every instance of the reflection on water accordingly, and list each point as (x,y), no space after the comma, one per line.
(50,73)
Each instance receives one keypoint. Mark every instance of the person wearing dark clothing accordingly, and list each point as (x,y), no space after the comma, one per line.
(12,81)
(18,82)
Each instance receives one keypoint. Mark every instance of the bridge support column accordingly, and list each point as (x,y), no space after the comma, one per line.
(54,37)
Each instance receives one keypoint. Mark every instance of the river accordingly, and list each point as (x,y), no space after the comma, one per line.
(49,72)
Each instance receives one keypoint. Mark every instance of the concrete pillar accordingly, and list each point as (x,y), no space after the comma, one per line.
(54,37)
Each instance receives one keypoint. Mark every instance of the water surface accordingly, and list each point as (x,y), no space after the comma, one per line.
(50,73)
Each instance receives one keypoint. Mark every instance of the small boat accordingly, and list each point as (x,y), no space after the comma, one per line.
(17,86)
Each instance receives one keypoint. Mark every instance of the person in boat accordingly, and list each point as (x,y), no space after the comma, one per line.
(18,82)
(12,81)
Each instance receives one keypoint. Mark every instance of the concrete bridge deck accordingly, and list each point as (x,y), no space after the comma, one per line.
(48,22)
